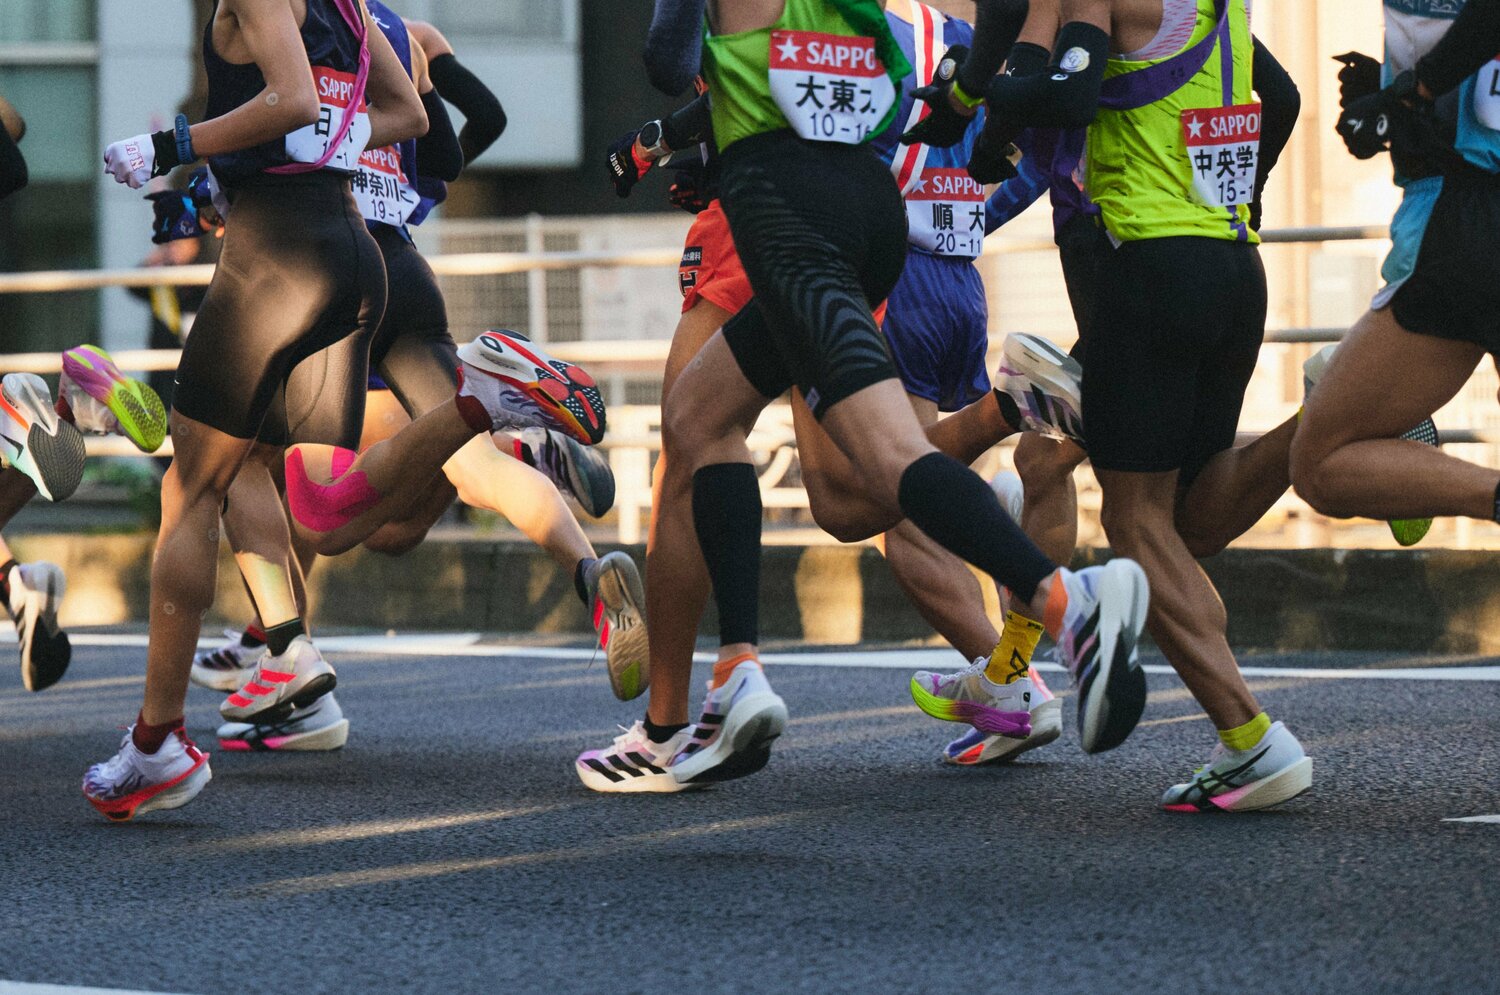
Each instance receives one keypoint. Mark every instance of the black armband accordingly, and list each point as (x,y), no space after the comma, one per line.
(1469,43)
(1066,93)
(997,25)
(484,118)
(438,152)
(1026,59)
(688,125)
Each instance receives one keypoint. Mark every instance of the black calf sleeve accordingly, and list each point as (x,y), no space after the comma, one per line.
(949,502)
(726,516)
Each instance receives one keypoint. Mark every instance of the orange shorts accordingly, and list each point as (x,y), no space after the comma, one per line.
(710,266)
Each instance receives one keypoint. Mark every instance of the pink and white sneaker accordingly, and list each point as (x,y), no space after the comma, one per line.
(132,783)
(978,747)
(633,763)
(295,679)
(319,727)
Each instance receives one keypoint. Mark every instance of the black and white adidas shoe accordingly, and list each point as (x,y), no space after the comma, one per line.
(36,591)
(1040,388)
(633,762)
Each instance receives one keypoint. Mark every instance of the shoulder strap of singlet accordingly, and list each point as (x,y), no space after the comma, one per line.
(927,49)
(354,17)
(1134,90)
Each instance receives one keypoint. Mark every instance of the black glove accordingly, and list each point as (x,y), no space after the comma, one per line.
(175,216)
(994,157)
(688,191)
(943,127)
(624,168)
(1360,77)
(1370,124)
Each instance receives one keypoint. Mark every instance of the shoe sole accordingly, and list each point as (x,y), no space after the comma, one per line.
(53,460)
(173,794)
(1046,728)
(994,721)
(1036,359)
(743,746)
(589,478)
(627,652)
(1280,787)
(138,408)
(41,609)
(318,741)
(526,390)
(643,783)
(1112,697)
(315,688)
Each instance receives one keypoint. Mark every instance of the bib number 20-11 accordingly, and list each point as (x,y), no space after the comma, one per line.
(1223,148)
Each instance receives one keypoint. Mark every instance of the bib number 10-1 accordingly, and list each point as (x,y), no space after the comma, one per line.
(830,88)
(1223,151)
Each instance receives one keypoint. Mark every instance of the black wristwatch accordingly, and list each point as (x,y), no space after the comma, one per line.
(651,140)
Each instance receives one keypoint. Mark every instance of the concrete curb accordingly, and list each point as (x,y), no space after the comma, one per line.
(1439,601)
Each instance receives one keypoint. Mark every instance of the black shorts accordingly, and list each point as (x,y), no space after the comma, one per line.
(1452,292)
(1084,250)
(821,231)
(1174,341)
(298,273)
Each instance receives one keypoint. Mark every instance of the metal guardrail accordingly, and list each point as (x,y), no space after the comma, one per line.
(635,429)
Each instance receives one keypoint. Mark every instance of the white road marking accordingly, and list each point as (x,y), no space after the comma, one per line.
(29,988)
(928,658)
(1477,818)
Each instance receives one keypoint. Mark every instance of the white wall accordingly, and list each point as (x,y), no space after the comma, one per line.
(146,53)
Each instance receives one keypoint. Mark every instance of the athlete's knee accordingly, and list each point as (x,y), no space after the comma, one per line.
(1309,477)
(1044,464)
(397,538)
(841,521)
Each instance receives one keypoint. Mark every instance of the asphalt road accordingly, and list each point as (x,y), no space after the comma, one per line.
(450,847)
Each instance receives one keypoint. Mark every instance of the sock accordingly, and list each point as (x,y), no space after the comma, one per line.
(726,516)
(723,668)
(1245,736)
(660,734)
(279,637)
(148,738)
(953,505)
(1012,658)
(579,583)
(253,636)
(471,409)
(5,580)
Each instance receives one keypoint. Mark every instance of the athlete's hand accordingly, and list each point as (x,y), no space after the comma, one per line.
(175,216)
(945,125)
(995,155)
(131,162)
(687,191)
(210,200)
(1370,124)
(1360,77)
(625,165)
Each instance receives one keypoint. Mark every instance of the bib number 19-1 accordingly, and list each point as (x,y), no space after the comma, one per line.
(1223,150)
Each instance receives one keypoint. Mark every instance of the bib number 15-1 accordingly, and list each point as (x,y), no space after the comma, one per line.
(1223,150)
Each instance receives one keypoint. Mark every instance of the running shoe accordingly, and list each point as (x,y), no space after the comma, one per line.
(632,763)
(581,471)
(36,591)
(227,667)
(35,440)
(295,679)
(617,598)
(520,386)
(1406,531)
(1103,613)
(1040,388)
(969,696)
(319,726)
(132,783)
(732,738)
(1272,771)
(1012,494)
(976,747)
(98,398)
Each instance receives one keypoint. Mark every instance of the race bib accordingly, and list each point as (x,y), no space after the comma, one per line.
(831,88)
(1487,95)
(945,212)
(1223,146)
(381,187)
(307,144)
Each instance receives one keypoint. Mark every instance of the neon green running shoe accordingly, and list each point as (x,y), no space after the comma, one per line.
(102,400)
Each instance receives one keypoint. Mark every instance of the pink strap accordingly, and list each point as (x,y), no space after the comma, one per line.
(354,17)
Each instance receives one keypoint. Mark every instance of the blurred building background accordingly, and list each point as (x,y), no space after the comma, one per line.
(87,72)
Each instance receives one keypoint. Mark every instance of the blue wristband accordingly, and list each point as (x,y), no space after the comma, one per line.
(184,140)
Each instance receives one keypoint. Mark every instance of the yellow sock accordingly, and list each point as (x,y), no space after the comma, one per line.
(1245,736)
(1012,657)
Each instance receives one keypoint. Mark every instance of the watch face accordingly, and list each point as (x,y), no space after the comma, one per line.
(651,135)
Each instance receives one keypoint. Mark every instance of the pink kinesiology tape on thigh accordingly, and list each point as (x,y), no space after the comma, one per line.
(325,507)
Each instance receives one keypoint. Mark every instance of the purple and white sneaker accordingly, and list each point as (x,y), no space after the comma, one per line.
(741,718)
(1098,615)
(979,747)
(1040,388)
(633,763)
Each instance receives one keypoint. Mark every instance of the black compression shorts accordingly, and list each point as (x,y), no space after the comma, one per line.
(1447,296)
(1174,340)
(1084,250)
(298,273)
(821,231)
